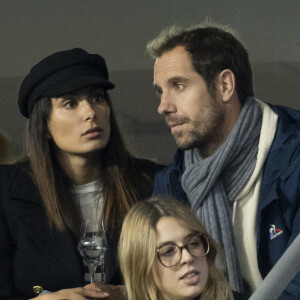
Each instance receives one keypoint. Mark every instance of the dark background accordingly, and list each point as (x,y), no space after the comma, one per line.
(119,31)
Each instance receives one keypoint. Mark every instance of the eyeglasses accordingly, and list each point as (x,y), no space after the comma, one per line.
(170,254)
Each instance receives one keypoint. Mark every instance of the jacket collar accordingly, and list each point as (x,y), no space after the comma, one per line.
(283,156)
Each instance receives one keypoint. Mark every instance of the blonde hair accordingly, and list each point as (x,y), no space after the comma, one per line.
(137,247)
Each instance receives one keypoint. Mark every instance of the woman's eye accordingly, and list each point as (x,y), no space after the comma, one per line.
(194,244)
(168,251)
(98,98)
(69,104)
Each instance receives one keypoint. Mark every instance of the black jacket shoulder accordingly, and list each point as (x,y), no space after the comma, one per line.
(143,173)
(146,166)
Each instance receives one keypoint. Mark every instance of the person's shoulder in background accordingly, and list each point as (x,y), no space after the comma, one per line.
(5,155)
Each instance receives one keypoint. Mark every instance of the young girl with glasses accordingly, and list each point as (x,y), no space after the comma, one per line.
(165,253)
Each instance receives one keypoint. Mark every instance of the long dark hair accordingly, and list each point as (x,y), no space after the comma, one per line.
(119,191)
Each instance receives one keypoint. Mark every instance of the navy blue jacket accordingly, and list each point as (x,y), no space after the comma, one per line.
(279,201)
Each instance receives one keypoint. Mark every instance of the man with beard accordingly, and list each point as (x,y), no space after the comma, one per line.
(238,162)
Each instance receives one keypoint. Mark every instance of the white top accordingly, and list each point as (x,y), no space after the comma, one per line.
(90,199)
(245,226)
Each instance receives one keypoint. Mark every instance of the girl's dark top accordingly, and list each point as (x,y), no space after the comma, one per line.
(33,254)
(238,296)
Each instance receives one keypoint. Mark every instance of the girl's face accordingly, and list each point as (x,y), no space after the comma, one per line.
(185,280)
(79,122)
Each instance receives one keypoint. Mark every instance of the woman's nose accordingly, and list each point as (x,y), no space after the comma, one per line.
(186,256)
(88,110)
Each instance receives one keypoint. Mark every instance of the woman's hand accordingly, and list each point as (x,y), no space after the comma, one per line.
(116,292)
(87,292)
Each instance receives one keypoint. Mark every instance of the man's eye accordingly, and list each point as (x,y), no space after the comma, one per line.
(178,86)
(158,93)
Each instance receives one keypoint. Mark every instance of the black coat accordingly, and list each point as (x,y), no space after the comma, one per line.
(32,254)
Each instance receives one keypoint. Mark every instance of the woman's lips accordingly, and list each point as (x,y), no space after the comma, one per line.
(92,135)
(92,132)
(191,278)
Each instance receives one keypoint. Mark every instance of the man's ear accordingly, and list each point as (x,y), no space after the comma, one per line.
(226,84)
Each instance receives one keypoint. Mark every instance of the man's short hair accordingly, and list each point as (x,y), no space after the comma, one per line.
(213,48)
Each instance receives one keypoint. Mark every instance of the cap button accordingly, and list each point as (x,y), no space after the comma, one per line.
(37,289)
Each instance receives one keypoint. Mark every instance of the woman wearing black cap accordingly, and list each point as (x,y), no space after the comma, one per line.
(77,168)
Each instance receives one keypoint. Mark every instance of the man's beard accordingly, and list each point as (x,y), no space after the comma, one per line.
(205,137)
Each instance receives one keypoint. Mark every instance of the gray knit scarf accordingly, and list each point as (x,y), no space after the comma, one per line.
(213,183)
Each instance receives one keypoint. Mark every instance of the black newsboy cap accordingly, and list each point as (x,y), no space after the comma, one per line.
(59,73)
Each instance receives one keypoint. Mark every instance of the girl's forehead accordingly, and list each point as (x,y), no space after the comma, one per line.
(170,229)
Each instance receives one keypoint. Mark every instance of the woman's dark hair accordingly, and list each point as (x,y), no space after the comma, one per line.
(212,50)
(119,191)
